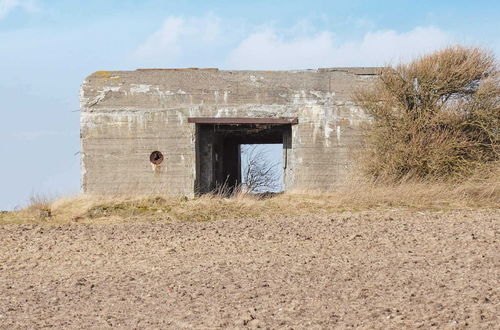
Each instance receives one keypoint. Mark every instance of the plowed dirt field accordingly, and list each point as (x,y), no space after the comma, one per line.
(374,269)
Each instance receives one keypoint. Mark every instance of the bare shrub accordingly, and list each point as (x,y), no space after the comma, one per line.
(436,117)
(259,175)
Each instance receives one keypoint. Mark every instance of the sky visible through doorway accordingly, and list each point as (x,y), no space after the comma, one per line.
(273,156)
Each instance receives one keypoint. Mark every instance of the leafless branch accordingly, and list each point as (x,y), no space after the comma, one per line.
(259,174)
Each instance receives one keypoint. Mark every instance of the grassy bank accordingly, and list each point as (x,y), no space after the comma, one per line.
(475,193)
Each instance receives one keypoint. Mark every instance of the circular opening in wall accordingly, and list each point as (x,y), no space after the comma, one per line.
(156,157)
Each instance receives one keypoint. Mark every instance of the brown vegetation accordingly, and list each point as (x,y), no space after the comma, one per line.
(436,117)
(476,192)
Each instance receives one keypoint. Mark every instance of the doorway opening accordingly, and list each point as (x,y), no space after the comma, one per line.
(219,144)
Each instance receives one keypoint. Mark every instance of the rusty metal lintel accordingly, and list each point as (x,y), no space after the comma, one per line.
(243,120)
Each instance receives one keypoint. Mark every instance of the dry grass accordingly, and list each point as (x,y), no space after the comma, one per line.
(480,191)
(40,206)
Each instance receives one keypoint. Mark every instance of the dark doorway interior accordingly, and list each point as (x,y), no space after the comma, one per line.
(218,156)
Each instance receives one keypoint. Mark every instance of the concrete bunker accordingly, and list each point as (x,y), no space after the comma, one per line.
(178,131)
(218,143)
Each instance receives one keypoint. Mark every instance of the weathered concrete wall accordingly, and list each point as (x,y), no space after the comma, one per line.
(125,115)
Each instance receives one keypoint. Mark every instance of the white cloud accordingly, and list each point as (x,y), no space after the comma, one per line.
(268,49)
(7,6)
(205,41)
(177,35)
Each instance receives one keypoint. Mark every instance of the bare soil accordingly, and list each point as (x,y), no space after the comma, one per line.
(374,269)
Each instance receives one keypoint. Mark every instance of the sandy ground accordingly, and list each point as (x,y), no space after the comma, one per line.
(375,269)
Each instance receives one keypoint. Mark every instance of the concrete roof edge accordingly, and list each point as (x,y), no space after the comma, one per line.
(355,70)
(352,70)
(346,69)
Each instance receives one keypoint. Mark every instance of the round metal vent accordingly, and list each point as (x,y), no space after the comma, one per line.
(156,157)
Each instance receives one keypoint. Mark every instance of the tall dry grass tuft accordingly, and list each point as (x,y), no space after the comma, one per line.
(436,117)
(39,206)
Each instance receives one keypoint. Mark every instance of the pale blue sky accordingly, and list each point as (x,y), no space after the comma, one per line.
(48,47)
